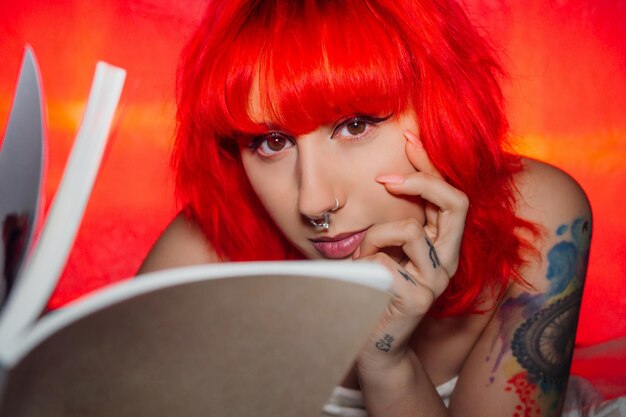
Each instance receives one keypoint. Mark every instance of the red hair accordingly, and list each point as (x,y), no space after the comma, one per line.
(319,60)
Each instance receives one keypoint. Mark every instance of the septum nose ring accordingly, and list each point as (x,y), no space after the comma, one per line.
(323,223)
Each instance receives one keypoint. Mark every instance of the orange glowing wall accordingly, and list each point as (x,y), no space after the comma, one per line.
(567,104)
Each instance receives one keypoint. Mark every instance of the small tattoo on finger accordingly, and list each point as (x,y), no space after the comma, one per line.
(406,276)
(384,343)
(432,253)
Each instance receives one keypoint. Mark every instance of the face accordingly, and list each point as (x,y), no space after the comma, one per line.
(299,178)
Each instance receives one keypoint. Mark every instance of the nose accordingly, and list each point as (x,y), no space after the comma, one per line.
(318,186)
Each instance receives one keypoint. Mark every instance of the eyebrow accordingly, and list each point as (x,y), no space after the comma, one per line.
(244,137)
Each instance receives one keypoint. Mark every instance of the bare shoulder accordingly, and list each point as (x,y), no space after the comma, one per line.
(558,206)
(524,353)
(548,196)
(182,243)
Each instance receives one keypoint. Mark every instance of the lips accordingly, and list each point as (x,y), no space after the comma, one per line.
(340,246)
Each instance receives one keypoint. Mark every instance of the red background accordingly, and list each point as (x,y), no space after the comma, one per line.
(567,105)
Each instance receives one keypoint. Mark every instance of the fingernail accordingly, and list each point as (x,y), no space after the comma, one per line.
(412,138)
(356,253)
(390,179)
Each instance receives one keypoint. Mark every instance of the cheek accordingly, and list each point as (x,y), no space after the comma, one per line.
(274,185)
(381,158)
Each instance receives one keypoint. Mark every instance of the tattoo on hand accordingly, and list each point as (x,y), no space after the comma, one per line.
(384,343)
(432,253)
(406,276)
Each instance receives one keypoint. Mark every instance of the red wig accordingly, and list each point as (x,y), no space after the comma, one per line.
(319,60)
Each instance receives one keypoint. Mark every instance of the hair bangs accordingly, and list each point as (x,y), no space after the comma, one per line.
(298,67)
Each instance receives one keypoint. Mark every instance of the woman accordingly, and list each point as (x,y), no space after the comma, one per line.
(375,130)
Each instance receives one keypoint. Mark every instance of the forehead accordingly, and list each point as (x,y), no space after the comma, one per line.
(316,69)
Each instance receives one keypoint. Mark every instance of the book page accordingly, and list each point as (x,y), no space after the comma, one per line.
(41,272)
(21,171)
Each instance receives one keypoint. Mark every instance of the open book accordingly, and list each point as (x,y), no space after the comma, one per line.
(248,339)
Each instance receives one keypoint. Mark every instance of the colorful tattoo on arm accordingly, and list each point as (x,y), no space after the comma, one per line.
(543,343)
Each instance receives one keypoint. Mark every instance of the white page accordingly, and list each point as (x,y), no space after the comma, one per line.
(21,171)
(41,273)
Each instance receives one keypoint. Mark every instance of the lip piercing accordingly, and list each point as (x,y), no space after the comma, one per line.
(323,223)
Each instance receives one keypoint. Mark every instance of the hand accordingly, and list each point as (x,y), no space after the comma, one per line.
(430,255)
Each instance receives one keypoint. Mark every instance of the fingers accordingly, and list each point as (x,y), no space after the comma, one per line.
(432,218)
(426,182)
(417,155)
(429,187)
(412,297)
(445,209)
(423,266)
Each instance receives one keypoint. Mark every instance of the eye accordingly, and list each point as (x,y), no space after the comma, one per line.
(271,144)
(356,128)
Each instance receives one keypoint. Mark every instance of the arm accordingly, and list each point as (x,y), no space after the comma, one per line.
(494,380)
(422,259)
(520,365)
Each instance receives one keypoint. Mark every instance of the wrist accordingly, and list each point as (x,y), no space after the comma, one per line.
(388,346)
(387,369)
(390,391)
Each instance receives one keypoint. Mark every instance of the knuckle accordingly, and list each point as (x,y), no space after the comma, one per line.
(452,266)
(463,200)
(440,285)
(413,228)
(413,300)
(421,301)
